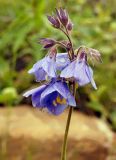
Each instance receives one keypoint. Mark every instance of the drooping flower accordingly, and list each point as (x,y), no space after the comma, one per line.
(80,71)
(48,66)
(35,95)
(54,96)
(44,68)
(62,61)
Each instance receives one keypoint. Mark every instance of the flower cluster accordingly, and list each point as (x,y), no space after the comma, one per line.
(62,71)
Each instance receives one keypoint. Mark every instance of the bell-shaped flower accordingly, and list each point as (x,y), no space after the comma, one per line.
(54,96)
(35,95)
(48,66)
(44,68)
(62,61)
(80,71)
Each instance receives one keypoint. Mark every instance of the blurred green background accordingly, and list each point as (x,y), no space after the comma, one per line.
(23,22)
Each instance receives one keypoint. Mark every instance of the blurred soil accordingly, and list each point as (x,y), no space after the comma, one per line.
(29,134)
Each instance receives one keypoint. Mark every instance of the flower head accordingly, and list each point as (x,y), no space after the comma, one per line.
(61,69)
(54,96)
(80,71)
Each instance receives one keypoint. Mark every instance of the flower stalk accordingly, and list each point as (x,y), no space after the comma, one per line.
(64,147)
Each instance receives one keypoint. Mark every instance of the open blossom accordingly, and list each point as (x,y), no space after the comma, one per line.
(54,96)
(62,61)
(44,68)
(48,66)
(80,71)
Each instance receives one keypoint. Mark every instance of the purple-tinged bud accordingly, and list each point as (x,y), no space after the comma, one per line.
(47,42)
(57,22)
(95,54)
(63,16)
(54,21)
(58,14)
(48,46)
(69,26)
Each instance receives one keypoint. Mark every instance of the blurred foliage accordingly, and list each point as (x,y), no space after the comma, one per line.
(22,22)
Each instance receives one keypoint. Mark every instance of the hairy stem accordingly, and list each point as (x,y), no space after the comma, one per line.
(64,148)
(63,156)
(68,36)
(61,44)
(64,46)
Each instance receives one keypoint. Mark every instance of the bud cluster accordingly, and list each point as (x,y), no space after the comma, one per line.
(60,20)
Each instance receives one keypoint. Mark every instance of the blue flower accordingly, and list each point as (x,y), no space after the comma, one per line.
(80,71)
(43,68)
(54,96)
(48,66)
(62,61)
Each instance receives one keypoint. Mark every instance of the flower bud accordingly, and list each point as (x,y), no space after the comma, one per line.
(63,16)
(47,42)
(95,54)
(70,26)
(54,21)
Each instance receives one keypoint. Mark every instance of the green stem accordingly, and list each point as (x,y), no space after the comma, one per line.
(63,156)
(68,36)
